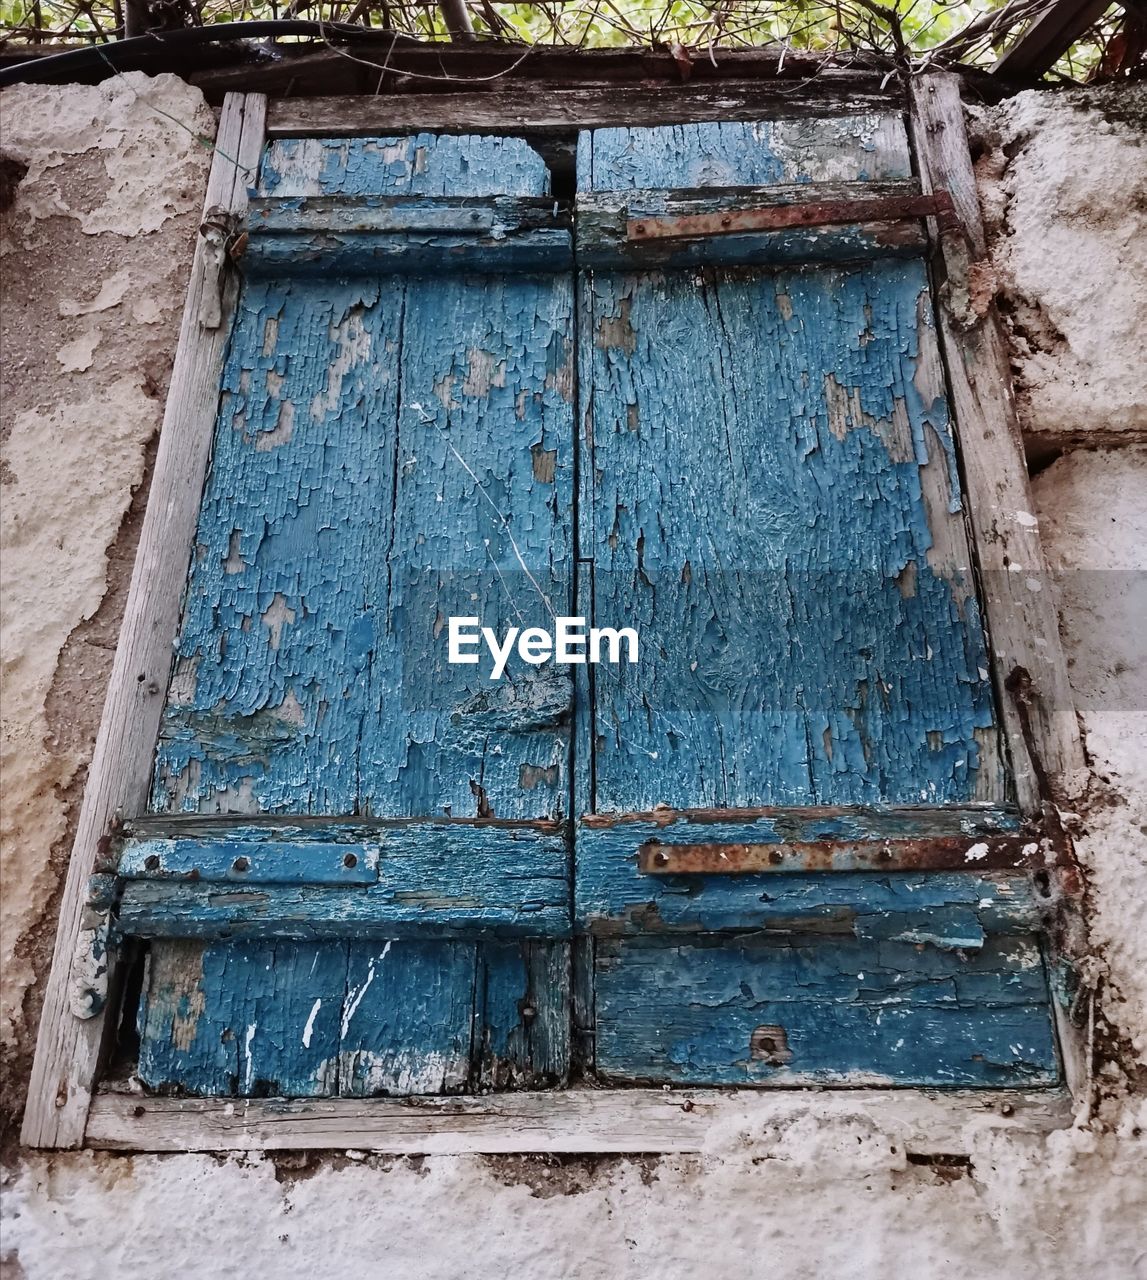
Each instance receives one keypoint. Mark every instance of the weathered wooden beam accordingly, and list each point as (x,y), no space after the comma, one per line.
(376,235)
(1016,591)
(624,1121)
(68,1047)
(1049,36)
(554,108)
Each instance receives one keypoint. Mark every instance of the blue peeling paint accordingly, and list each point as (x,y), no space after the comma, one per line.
(768,491)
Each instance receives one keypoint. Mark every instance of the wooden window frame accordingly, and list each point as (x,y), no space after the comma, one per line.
(64,1110)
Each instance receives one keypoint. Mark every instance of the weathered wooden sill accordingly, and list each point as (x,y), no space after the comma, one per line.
(621,1121)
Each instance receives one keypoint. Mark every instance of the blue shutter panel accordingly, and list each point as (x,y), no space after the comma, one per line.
(392,447)
(772,499)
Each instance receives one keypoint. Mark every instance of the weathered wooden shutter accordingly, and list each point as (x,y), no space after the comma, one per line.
(358,846)
(771,496)
(362,864)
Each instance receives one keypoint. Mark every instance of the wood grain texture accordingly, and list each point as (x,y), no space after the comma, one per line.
(775,505)
(377,235)
(816,1010)
(353,1019)
(557,108)
(68,1048)
(626,1121)
(1016,594)
(953,909)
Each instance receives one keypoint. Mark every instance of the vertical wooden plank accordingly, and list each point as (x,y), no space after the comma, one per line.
(483,512)
(407,1019)
(243,1019)
(389,453)
(777,512)
(522,1015)
(1016,591)
(68,1046)
(266,706)
(775,504)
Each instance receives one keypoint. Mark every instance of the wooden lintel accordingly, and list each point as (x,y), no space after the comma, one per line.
(622,1121)
(543,109)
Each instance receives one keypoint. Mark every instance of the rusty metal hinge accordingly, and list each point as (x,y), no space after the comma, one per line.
(1011,851)
(813,213)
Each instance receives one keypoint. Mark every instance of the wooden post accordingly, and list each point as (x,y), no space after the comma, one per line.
(68,1047)
(1016,592)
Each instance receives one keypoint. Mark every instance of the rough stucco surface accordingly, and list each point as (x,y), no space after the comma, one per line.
(810,1198)
(1093,516)
(1065,198)
(102,223)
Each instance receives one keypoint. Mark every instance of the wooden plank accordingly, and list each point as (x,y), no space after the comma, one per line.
(817,1010)
(68,1048)
(957,908)
(521,1015)
(358,1019)
(441,879)
(865,148)
(1015,592)
(372,235)
(623,1121)
(250,861)
(1048,36)
(243,1020)
(408,1019)
(548,109)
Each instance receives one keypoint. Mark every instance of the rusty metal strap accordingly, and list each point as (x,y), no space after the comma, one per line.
(1015,851)
(812,213)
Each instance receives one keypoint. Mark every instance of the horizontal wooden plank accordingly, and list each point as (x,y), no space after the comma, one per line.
(365,235)
(464,215)
(177,909)
(950,908)
(304,827)
(623,1121)
(814,1010)
(816,822)
(443,879)
(551,108)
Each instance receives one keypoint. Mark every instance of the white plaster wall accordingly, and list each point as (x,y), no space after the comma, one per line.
(94,250)
(812,1199)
